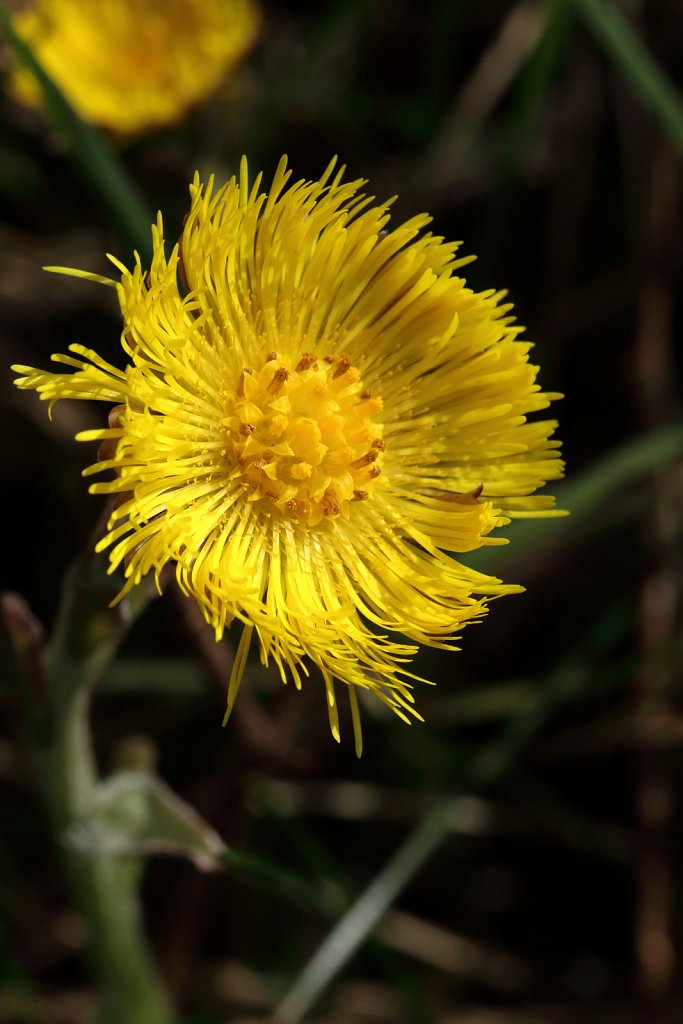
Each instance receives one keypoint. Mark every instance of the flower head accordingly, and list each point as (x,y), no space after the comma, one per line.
(130,65)
(316,413)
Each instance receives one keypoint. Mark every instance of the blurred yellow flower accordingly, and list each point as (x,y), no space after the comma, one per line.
(130,66)
(316,412)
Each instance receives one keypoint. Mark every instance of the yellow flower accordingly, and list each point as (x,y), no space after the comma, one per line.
(315,413)
(130,65)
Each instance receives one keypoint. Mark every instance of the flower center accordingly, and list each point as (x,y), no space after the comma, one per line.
(304,438)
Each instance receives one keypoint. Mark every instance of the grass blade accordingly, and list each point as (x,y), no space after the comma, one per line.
(585,496)
(89,151)
(484,767)
(655,89)
(345,939)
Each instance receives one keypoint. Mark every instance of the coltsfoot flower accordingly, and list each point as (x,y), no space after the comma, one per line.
(317,412)
(129,65)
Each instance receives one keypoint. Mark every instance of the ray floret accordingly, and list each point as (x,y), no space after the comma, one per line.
(316,416)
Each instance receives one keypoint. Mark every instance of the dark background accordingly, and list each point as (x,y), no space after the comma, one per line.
(555,898)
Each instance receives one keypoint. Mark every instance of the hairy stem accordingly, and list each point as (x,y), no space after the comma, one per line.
(86,637)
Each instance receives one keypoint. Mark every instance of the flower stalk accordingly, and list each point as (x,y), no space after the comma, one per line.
(87,635)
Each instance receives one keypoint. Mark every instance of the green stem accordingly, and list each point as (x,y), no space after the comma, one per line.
(104,886)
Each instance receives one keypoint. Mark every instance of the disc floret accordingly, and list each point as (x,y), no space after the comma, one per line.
(305,438)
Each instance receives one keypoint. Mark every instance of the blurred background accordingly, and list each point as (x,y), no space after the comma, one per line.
(540,881)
